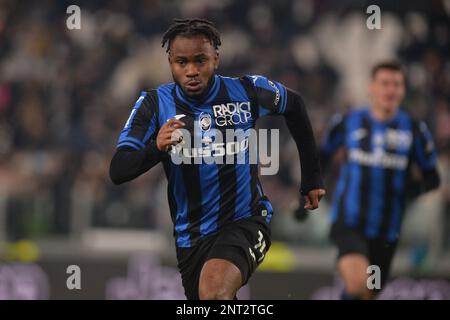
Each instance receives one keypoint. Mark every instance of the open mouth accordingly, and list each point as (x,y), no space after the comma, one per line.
(390,99)
(193,86)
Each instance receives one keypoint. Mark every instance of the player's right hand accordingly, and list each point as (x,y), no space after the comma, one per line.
(313,197)
(167,136)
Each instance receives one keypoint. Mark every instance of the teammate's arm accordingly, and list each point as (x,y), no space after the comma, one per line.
(425,155)
(333,139)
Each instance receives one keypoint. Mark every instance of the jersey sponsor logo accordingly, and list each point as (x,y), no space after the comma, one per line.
(392,139)
(359,134)
(228,146)
(398,139)
(218,149)
(379,158)
(232,113)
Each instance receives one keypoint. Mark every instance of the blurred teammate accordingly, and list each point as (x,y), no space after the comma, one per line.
(219,211)
(380,144)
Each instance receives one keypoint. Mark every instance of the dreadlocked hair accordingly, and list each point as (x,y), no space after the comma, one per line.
(190,28)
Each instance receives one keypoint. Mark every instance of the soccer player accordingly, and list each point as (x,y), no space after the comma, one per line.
(381,142)
(220,213)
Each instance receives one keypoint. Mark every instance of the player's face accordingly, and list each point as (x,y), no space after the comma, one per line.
(387,90)
(192,61)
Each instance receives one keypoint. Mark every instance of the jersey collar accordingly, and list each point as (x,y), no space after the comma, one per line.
(386,122)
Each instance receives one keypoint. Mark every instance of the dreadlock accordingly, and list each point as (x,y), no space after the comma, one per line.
(189,28)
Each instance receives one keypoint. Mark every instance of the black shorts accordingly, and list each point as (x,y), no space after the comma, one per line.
(378,251)
(244,243)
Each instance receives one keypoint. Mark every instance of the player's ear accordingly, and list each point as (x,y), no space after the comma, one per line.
(216,60)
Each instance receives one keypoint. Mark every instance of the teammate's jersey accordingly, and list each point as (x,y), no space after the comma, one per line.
(370,193)
(204,196)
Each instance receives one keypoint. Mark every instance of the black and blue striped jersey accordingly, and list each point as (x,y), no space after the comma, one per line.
(370,193)
(205,196)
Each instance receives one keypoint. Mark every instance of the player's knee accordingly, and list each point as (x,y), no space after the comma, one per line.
(356,287)
(219,280)
(215,295)
(214,291)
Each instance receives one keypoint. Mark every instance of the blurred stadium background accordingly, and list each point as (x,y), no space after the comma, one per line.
(64,97)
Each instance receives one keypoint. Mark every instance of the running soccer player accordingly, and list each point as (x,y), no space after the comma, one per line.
(220,213)
(381,143)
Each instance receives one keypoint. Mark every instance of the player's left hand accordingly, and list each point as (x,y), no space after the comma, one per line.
(313,198)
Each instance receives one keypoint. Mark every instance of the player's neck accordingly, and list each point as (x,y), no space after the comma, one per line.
(381,115)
